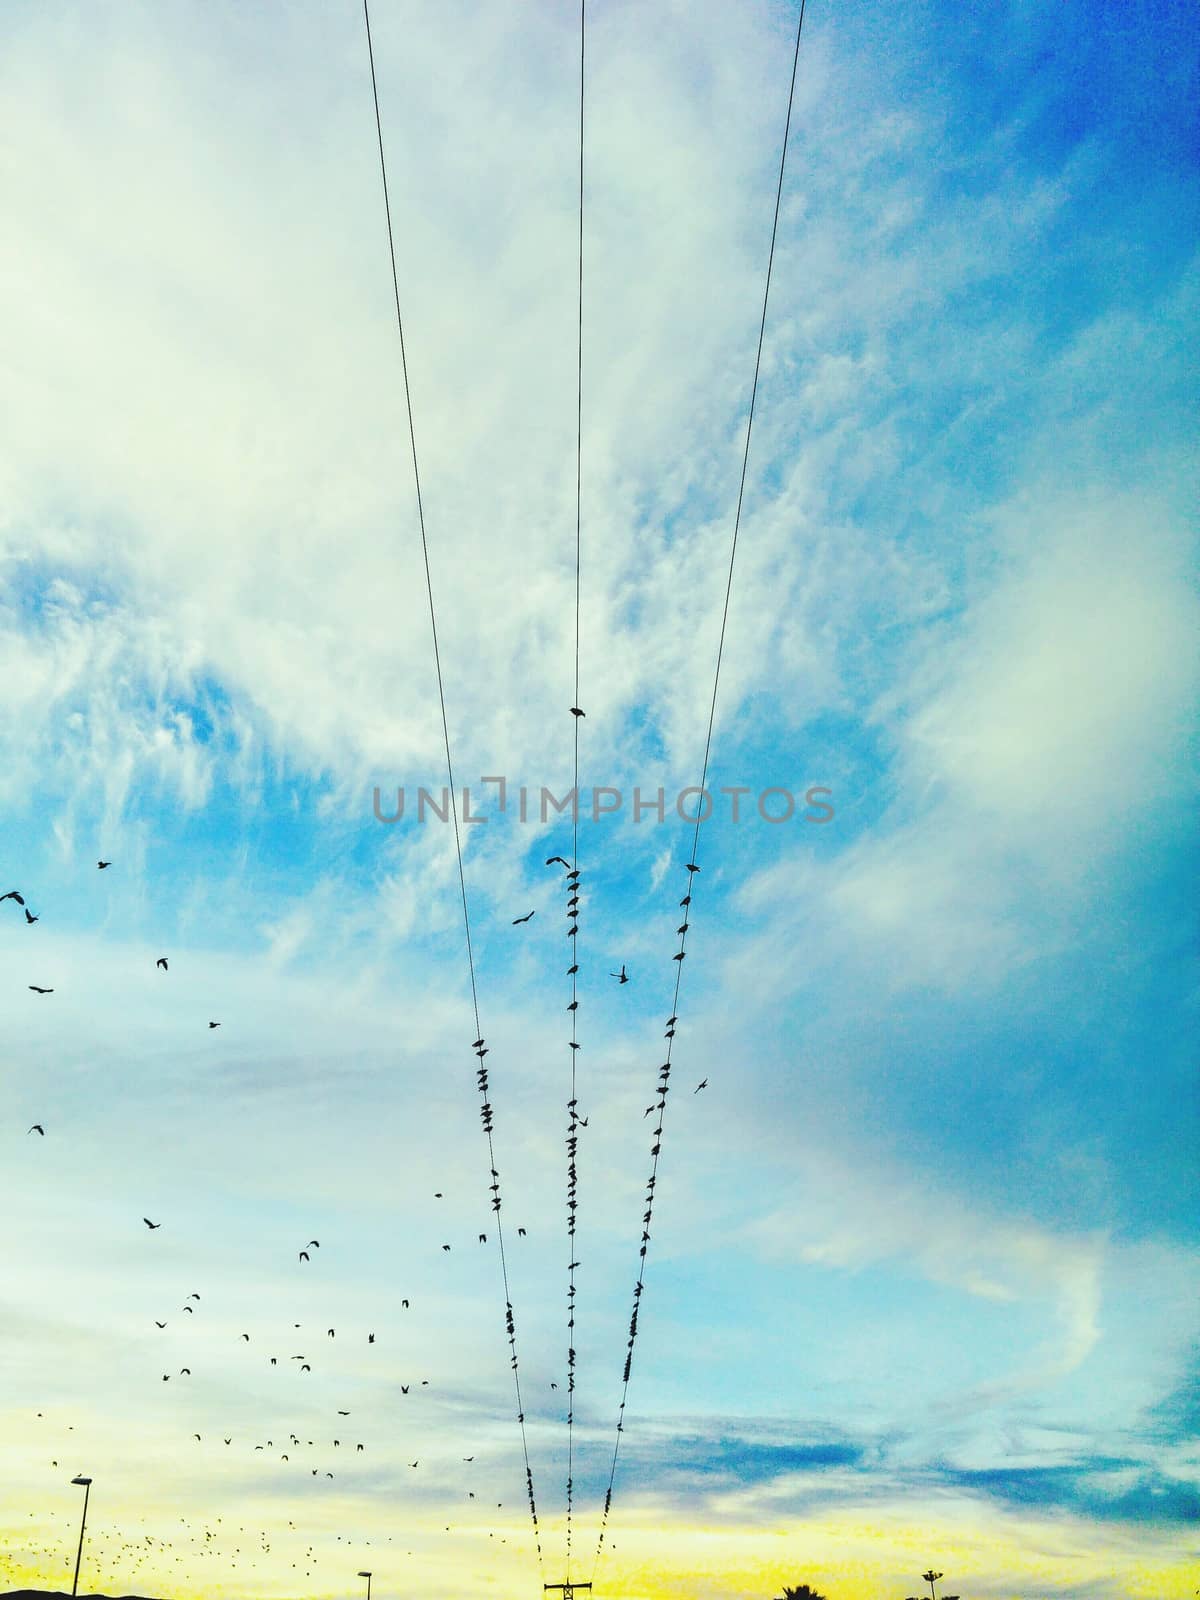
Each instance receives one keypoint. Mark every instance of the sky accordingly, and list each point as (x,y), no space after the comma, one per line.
(922,1280)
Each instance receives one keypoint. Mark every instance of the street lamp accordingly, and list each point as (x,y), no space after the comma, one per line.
(86,1485)
(367,1576)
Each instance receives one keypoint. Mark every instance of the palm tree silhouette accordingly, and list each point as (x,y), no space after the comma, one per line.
(804,1592)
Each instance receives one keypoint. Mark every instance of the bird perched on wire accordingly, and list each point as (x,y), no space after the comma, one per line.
(576,712)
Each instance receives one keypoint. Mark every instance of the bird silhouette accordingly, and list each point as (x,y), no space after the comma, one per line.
(162,962)
(150,1224)
(185,1372)
(314,1244)
(414,1463)
(518,920)
(304,1255)
(370,1338)
(703,1084)
(38,990)
(193,1295)
(404,1388)
(619,976)
(229,1441)
(445,1247)
(37,1128)
(343,1413)
(520,1233)
(14,894)
(30,919)
(158,1324)
(103,864)
(683,927)
(304,1367)
(246,1336)
(575,712)
(404,1303)
(329,1331)
(483,1238)
(692,867)
(468,1458)
(192,1309)
(214,1024)
(358,1447)
(550,861)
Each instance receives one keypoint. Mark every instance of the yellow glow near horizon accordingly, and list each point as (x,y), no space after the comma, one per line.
(853,1555)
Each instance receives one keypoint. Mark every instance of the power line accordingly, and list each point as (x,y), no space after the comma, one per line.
(692,866)
(573,1107)
(479,1047)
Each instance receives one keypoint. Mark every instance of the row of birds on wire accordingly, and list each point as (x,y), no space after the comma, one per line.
(480,1047)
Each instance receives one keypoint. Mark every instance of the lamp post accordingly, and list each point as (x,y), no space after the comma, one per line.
(367,1576)
(86,1485)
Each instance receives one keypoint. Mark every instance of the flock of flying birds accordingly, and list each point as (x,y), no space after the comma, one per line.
(295,1445)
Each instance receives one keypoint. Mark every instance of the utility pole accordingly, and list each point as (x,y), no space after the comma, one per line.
(568,1589)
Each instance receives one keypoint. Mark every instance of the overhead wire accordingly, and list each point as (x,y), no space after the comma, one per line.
(479,1047)
(664,1072)
(573,1104)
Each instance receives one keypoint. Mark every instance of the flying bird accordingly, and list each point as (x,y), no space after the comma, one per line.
(330,1332)
(483,1238)
(518,920)
(103,864)
(305,1367)
(185,1372)
(404,1388)
(193,1295)
(550,861)
(468,1458)
(246,1336)
(703,1084)
(214,1024)
(314,1244)
(404,1303)
(445,1247)
(37,990)
(343,1413)
(30,919)
(158,1324)
(192,1309)
(162,962)
(619,976)
(520,1233)
(14,894)
(370,1338)
(37,1128)
(304,1255)
(150,1224)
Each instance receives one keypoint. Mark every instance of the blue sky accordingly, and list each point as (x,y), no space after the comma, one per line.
(924,1263)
